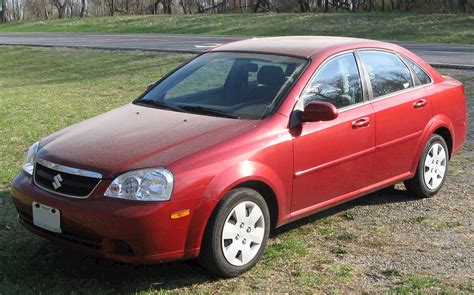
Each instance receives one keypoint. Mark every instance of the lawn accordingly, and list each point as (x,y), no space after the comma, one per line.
(441,27)
(385,242)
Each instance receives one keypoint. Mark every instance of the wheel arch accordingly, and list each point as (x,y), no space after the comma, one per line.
(248,174)
(441,125)
(448,138)
(268,194)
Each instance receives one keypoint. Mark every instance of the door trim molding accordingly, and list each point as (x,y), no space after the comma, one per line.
(334,162)
(398,140)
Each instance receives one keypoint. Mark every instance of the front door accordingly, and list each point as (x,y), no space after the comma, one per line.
(333,158)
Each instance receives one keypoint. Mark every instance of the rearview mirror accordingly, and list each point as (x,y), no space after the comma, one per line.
(319,111)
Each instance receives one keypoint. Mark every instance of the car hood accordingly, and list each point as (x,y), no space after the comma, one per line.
(133,137)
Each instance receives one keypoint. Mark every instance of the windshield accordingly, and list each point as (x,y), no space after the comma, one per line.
(227,84)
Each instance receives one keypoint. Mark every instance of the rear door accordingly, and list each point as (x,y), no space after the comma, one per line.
(402,111)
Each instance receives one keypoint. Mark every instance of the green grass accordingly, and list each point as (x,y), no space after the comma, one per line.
(349,215)
(339,250)
(284,249)
(416,284)
(446,28)
(44,90)
(437,223)
(391,272)
(347,237)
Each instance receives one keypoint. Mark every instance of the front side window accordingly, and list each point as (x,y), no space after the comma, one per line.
(337,82)
(423,78)
(227,84)
(387,73)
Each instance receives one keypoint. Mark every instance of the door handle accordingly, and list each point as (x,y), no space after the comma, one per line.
(362,122)
(420,103)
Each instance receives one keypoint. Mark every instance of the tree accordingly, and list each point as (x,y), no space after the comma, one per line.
(167,6)
(354,5)
(304,6)
(4,11)
(84,8)
(61,7)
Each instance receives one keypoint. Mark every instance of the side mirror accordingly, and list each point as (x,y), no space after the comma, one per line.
(149,86)
(319,111)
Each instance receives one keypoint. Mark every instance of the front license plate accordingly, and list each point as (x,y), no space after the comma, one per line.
(46,217)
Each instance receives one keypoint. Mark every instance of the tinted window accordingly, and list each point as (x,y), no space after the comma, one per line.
(228,84)
(422,76)
(337,82)
(387,72)
(203,79)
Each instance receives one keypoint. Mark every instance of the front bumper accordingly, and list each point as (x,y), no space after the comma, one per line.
(127,231)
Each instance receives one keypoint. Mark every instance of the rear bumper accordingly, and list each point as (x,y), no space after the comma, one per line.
(127,231)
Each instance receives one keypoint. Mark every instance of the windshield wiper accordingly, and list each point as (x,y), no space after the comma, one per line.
(160,104)
(209,111)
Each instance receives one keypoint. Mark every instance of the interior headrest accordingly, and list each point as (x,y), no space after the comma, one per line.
(290,69)
(271,75)
(250,67)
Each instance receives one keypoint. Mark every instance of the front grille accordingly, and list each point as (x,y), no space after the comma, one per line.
(63,183)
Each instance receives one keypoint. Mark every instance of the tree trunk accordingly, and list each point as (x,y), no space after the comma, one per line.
(45,10)
(111,7)
(155,6)
(83,8)
(4,12)
(61,11)
(462,5)
(354,6)
(326,5)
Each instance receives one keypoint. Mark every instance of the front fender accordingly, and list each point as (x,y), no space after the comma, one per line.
(224,182)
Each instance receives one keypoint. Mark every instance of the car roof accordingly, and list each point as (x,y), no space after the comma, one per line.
(303,46)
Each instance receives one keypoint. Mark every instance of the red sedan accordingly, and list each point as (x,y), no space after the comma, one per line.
(242,139)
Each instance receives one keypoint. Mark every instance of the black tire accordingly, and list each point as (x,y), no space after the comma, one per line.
(416,185)
(212,256)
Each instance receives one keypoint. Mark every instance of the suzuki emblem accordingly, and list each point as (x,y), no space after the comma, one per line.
(57,181)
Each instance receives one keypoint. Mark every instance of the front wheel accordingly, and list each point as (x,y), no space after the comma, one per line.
(236,234)
(432,169)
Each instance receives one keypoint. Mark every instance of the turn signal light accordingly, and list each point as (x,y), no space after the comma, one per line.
(180,214)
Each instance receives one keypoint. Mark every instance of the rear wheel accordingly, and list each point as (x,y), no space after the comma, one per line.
(432,169)
(236,234)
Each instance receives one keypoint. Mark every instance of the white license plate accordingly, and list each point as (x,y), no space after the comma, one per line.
(46,217)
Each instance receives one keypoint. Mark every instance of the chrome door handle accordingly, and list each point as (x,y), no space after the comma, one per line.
(420,103)
(362,122)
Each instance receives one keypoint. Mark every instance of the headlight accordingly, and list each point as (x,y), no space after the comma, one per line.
(30,158)
(144,185)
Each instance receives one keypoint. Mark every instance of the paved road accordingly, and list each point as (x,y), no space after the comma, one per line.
(436,54)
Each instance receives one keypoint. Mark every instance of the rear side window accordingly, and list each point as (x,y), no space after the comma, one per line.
(387,73)
(422,76)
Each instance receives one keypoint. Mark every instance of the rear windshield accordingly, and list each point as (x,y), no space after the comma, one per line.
(227,84)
